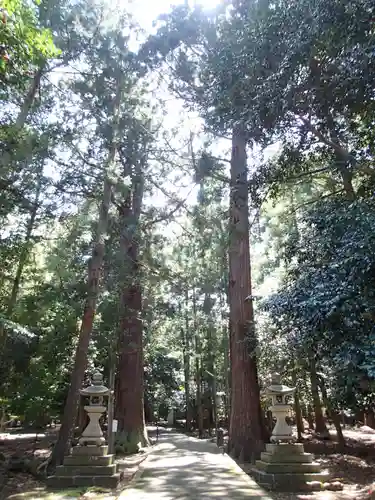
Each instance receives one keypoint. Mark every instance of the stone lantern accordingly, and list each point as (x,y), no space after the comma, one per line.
(285,466)
(89,463)
(219,398)
(96,392)
(280,408)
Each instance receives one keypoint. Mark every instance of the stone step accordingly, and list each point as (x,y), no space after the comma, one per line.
(292,458)
(86,470)
(288,468)
(61,482)
(285,448)
(92,450)
(90,460)
(288,482)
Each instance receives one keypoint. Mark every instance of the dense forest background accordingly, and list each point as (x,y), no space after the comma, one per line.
(190,209)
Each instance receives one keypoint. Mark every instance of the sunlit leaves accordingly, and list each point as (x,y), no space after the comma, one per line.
(24,42)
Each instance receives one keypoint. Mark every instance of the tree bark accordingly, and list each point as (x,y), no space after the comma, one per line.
(334,415)
(320,425)
(297,407)
(82,418)
(369,418)
(346,176)
(212,378)
(310,417)
(111,400)
(129,387)
(245,432)
(186,359)
(224,301)
(342,160)
(30,97)
(6,157)
(343,157)
(198,372)
(227,375)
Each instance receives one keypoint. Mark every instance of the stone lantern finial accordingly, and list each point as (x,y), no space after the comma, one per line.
(97,378)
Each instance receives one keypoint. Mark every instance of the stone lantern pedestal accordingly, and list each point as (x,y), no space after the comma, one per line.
(285,466)
(89,463)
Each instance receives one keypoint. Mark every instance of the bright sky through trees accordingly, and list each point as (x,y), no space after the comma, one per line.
(146,11)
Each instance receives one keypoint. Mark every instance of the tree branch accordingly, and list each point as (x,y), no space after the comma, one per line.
(311,202)
(335,146)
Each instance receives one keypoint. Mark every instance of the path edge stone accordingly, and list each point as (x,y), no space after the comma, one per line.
(135,477)
(237,469)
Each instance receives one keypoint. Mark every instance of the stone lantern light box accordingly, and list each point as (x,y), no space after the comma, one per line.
(96,394)
(280,396)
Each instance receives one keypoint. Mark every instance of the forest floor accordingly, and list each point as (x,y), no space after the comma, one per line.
(24,451)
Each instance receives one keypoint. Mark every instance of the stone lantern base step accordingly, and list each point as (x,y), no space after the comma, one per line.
(61,482)
(285,448)
(85,470)
(288,468)
(90,450)
(76,460)
(288,481)
(287,458)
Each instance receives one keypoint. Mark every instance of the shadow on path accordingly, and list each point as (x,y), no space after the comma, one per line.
(183,468)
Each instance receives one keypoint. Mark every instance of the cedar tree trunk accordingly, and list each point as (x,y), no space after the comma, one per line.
(320,425)
(245,430)
(129,387)
(186,356)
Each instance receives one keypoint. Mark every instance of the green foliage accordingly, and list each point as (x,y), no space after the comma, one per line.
(161,377)
(25,43)
(326,303)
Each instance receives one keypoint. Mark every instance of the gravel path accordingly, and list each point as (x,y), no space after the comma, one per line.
(185,468)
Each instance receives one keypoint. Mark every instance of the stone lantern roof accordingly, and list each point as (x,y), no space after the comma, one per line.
(277,388)
(96,388)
